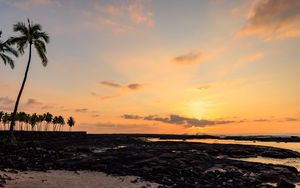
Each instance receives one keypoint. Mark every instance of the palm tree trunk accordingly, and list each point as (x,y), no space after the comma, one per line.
(12,123)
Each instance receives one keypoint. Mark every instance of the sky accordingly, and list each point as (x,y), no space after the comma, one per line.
(150,66)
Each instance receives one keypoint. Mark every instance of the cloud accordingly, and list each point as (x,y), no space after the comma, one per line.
(101,23)
(243,61)
(110,96)
(32,102)
(6,103)
(261,120)
(108,127)
(249,59)
(129,116)
(134,86)
(139,16)
(110,84)
(291,119)
(118,17)
(31,3)
(204,87)
(179,120)
(110,9)
(123,89)
(190,58)
(81,110)
(47,107)
(273,19)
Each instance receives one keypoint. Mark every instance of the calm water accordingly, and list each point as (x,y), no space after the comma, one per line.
(285,145)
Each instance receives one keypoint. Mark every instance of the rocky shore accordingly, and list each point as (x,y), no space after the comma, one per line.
(170,164)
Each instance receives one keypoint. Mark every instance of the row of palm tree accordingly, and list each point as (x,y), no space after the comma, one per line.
(29,35)
(35,122)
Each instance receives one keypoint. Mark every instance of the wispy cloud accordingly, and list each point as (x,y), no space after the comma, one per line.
(204,87)
(8,104)
(135,86)
(122,89)
(109,127)
(190,58)
(261,120)
(139,15)
(273,19)
(291,119)
(81,110)
(28,4)
(118,17)
(110,84)
(248,59)
(179,120)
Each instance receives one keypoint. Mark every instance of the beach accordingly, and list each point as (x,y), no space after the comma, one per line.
(74,179)
(164,163)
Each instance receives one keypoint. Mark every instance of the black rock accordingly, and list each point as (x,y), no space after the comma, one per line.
(285,183)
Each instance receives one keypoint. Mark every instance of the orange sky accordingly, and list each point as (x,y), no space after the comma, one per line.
(142,66)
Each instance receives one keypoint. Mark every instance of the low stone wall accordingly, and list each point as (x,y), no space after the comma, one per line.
(44,134)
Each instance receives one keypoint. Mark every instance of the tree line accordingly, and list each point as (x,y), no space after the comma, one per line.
(35,122)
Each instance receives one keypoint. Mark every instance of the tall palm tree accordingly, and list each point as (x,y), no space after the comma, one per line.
(5,50)
(31,34)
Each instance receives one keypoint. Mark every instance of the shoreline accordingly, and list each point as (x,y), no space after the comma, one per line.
(27,135)
(172,164)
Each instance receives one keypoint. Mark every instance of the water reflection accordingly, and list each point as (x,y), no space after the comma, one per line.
(285,145)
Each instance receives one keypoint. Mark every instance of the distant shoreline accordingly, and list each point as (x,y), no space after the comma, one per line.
(263,138)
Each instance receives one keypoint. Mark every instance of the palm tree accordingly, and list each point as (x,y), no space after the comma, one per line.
(61,122)
(48,118)
(33,121)
(55,121)
(31,34)
(71,122)
(1,115)
(5,119)
(40,122)
(5,49)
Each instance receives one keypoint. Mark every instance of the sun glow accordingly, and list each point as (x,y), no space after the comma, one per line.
(197,108)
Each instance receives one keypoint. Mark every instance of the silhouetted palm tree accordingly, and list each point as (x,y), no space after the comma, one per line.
(61,122)
(40,120)
(5,119)
(55,121)
(33,121)
(31,34)
(22,119)
(1,114)
(48,118)
(71,123)
(5,50)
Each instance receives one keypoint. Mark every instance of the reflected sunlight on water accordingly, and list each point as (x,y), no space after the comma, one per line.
(285,145)
(295,146)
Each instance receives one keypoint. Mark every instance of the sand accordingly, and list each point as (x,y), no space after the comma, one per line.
(65,179)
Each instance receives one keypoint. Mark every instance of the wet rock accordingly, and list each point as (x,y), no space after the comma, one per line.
(285,183)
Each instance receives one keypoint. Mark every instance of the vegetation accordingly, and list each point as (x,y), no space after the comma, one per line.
(35,122)
(71,123)
(30,35)
(5,51)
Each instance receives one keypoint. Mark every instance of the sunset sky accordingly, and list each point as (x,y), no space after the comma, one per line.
(169,66)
